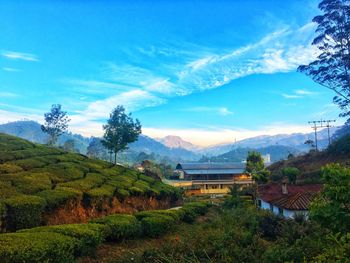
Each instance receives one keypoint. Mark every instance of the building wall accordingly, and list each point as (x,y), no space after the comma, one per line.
(274,209)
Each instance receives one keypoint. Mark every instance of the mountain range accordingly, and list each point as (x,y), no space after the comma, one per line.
(176,149)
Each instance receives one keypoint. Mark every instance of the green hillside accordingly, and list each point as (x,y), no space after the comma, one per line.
(310,164)
(36,179)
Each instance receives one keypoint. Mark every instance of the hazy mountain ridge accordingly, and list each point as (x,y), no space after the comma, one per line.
(31,130)
(173,141)
(177,149)
(295,140)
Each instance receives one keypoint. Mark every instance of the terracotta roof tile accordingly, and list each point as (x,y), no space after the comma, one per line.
(298,197)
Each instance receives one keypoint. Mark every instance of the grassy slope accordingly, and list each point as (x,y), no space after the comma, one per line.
(311,163)
(35,178)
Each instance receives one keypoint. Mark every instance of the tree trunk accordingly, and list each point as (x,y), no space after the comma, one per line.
(115,158)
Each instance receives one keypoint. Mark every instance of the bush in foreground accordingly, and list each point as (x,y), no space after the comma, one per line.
(37,247)
(24,211)
(88,236)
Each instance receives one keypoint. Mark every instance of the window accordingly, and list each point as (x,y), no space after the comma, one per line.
(280,211)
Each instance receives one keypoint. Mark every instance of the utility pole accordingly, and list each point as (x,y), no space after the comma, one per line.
(315,127)
(328,125)
(320,124)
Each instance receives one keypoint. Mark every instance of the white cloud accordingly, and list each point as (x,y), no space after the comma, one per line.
(19,56)
(217,110)
(132,100)
(8,69)
(291,96)
(8,95)
(299,94)
(9,116)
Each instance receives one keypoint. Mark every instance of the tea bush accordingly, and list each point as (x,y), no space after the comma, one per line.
(9,168)
(59,196)
(37,247)
(120,226)
(24,211)
(91,180)
(89,236)
(154,226)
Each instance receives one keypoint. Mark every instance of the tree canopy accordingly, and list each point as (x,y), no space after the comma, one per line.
(331,69)
(120,130)
(56,122)
(256,167)
(332,208)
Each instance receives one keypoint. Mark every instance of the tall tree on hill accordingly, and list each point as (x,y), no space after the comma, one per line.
(56,122)
(256,168)
(331,69)
(120,130)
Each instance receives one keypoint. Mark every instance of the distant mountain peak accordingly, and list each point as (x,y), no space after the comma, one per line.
(173,141)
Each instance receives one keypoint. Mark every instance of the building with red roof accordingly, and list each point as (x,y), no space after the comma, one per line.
(285,199)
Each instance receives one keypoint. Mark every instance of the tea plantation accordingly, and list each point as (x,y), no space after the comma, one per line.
(36,179)
(66,243)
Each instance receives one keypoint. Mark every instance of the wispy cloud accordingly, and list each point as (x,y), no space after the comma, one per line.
(180,71)
(8,69)
(133,100)
(8,95)
(223,111)
(299,94)
(19,56)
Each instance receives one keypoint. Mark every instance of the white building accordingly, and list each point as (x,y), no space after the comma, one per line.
(287,200)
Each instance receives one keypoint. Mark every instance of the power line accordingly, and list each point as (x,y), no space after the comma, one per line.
(322,124)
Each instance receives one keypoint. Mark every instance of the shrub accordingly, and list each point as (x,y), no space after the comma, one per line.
(145,178)
(199,208)
(30,183)
(59,196)
(37,247)
(90,181)
(7,190)
(136,191)
(28,164)
(89,235)
(154,226)
(292,173)
(24,211)
(65,171)
(122,194)
(9,168)
(166,191)
(119,226)
(105,191)
(2,215)
(175,214)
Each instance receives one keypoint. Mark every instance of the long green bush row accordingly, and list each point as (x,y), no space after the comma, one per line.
(64,243)
(31,172)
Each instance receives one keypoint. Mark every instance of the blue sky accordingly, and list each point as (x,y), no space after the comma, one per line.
(208,71)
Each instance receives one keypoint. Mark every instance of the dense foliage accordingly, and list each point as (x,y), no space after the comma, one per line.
(120,130)
(35,178)
(331,69)
(64,243)
(56,122)
(255,166)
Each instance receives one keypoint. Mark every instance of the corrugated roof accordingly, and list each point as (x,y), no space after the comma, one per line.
(209,166)
(215,171)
